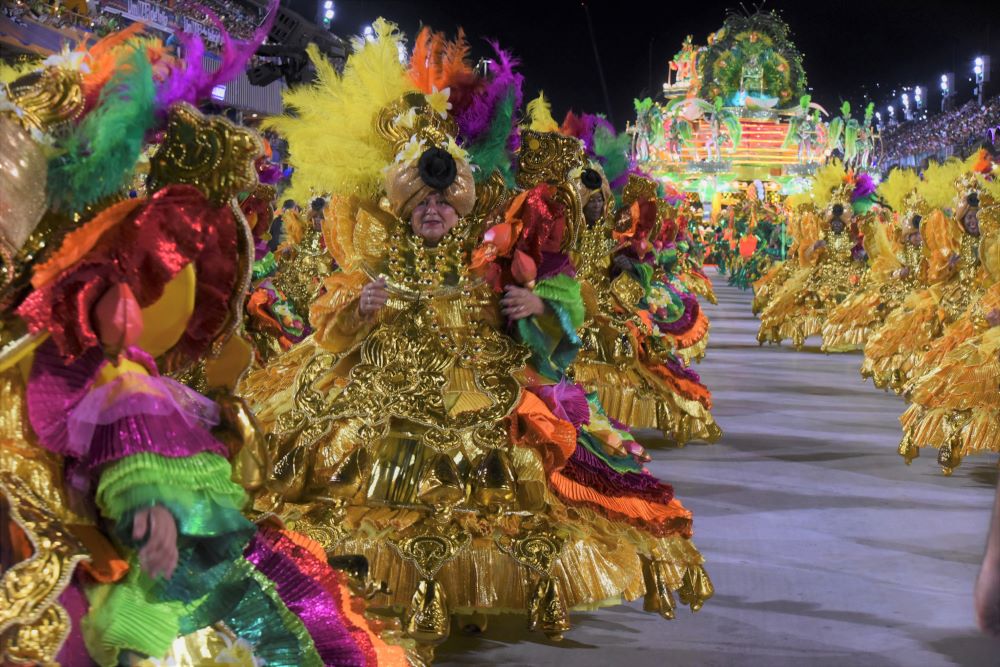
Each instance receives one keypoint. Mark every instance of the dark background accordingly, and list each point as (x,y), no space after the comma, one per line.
(850,49)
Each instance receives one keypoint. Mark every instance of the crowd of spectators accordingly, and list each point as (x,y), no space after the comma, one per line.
(954,132)
(240,20)
(47,12)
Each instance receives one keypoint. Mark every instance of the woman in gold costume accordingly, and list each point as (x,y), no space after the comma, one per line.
(118,485)
(428,424)
(630,350)
(894,261)
(952,271)
(956,403)
(828,273)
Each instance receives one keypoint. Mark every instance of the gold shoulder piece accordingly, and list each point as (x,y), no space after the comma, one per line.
(547,157)
(212,154)
(638,189)
(50,99)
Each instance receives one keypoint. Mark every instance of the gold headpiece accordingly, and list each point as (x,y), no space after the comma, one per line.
(549,157)
(969,189)
(427,157)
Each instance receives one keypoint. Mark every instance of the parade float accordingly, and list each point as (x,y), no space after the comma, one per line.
(735,112)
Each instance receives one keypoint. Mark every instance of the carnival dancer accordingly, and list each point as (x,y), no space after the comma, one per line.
(635,320)
(950,258)
(971,187)
(955,404)
(895,261)
(103,285)
(799,310)
(438,435)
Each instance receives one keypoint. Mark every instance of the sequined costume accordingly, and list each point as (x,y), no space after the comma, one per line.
(637,322)
(954,400)
(103,292)
(800,308)
(952,270)
(439,438)
(893,267)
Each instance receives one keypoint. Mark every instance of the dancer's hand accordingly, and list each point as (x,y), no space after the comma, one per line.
(518,303)
(159,554)
(374,296)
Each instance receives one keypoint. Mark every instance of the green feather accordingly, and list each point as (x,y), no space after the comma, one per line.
(97,159)
(613,150)
(490,153)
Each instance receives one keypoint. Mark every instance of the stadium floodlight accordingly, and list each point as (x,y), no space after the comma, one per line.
(980,68)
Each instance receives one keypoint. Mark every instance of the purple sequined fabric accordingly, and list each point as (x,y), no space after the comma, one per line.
(566,400)
(305,596)
(679,369)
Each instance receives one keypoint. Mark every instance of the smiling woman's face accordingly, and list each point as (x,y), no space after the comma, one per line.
(432,218)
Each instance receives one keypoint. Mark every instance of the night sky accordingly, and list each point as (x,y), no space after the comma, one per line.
(848,47)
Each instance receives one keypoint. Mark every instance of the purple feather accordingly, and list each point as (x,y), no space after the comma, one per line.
(474,121)
(863,186)
(191,82)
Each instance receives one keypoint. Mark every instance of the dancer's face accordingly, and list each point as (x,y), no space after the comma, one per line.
(971,221)
(594,208)
(432,218)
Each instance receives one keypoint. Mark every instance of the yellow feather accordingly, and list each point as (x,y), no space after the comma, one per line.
(13,71)
(540,115)
(827,178)
(332,142)
(938,185)
(897,185)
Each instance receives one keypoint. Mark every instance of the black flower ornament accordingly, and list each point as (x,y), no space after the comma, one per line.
(591,179)
(437,168)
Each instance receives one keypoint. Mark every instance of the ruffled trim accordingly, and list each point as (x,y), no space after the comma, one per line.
(656,519)
(553,348)
(125,616)
(305,584)
(535,426)
(145,250)
(261,618)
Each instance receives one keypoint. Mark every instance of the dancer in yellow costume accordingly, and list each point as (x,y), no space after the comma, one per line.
(414,430)
(951,260)
(956,404)
(827,277)
(894,260)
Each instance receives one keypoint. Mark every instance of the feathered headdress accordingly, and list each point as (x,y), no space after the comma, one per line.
(938,184)
(487,116)
(334,145)
(826,181)
(896,186)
